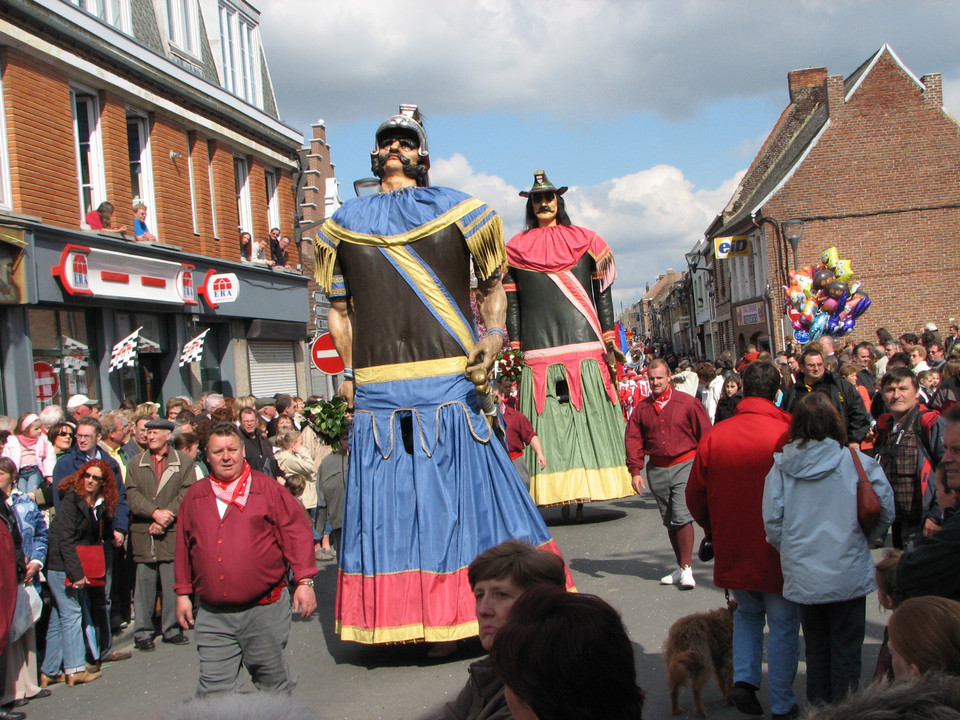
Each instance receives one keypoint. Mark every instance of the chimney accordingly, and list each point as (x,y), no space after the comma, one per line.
(933,92)
(835,95)
(801,81)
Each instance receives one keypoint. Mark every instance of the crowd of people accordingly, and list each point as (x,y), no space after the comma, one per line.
(94,503)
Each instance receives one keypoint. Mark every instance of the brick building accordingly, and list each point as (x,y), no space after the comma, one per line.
(168,103)
(871,165)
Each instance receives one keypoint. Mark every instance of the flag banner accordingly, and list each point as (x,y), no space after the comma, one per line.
(125,351)
(193,350)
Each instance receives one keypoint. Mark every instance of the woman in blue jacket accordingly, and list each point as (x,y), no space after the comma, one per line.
(810,514)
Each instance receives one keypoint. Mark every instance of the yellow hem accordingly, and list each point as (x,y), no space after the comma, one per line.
(407,633)
(580,485)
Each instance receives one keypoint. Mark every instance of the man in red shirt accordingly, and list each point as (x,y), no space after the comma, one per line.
(667,425)
(518,433)
(239,533)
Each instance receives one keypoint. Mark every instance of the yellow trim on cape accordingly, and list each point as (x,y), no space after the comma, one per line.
(407,633)
(485,243)
(580,485)
(410,370)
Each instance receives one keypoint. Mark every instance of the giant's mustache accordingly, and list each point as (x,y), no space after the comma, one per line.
(403,160)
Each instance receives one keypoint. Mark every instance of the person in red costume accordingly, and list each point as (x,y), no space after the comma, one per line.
(560,313)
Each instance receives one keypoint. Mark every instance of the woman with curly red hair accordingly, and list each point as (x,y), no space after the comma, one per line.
(89,499)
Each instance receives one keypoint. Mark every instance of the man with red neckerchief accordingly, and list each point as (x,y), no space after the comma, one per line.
(239,533)
(667,426)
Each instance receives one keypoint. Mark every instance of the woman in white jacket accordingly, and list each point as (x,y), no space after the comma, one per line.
(32,453)
(810,514)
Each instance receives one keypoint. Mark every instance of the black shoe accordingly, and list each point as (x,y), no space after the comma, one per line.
(180,639)
(12,715)
(791,714)
(15,704)
(744,697)
(143,645)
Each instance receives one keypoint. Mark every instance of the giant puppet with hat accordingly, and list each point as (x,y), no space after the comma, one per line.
(560,313)
(429,485)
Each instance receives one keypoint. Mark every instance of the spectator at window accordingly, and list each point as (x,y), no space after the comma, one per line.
(102,218)
(278,247)
(252,250)
(140,230)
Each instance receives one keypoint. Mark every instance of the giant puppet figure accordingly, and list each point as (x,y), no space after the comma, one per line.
(429,486)
(560,313)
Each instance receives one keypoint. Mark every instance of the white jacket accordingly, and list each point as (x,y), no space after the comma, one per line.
(46,453)
(810,514)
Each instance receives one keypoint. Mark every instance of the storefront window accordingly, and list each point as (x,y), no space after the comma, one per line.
(62,363)
(144,381)
(211,379)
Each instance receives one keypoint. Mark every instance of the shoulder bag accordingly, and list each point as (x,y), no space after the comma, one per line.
(868,505)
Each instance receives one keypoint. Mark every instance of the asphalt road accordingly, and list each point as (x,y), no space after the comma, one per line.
(618,552)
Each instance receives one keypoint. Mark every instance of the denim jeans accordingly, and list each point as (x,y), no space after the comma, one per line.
(29,479)
(64,632)
(783,619)
(833,635)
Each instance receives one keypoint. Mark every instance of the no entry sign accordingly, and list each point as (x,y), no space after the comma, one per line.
(325,356)
(45,383)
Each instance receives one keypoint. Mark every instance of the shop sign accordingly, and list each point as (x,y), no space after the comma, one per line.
(725,247)
(750,314)
(92,272)
(219,288)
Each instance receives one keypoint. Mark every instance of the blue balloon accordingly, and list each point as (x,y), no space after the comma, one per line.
(861,308)
(818,325)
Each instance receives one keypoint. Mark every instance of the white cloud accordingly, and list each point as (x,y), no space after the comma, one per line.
(649,218)
(344,59)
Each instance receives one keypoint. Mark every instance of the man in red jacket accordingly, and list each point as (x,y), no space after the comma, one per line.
(238,533)
(725,495)
(666,426)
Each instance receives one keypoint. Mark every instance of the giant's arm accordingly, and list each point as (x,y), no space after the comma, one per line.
(341,330)
(513,309)
(604,302)
(492,303)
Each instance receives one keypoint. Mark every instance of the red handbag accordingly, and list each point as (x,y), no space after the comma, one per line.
(868,504)
(94,565)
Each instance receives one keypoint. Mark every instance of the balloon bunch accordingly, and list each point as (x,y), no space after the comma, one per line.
(825,300)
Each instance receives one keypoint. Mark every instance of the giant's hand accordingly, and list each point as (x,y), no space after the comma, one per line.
(615,355)
(184,611)
(484,353)
(347,390)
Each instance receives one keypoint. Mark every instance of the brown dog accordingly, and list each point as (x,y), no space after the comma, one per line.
(694,644)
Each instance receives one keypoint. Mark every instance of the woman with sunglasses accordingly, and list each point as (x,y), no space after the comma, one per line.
(86,510)
(61,436)
(31,452)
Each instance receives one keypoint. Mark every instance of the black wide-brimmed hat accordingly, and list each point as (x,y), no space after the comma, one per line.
(541,183)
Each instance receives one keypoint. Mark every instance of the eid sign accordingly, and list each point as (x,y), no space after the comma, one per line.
(725,247)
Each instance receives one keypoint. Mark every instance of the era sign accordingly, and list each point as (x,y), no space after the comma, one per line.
(219,288)
(731,246)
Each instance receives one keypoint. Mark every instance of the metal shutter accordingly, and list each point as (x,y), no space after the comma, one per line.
(273,369)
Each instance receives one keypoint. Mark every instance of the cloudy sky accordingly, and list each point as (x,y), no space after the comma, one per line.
(649,111)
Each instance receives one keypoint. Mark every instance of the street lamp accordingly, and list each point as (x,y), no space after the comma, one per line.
(792,230)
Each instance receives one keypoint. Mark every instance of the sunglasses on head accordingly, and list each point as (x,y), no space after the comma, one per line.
(406,143)
(91,476)
(541,197)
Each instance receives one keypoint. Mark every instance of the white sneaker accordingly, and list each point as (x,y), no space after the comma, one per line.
(673,578)
(686,578)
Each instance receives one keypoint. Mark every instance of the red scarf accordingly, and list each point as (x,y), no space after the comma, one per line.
(235,491)
(659,403)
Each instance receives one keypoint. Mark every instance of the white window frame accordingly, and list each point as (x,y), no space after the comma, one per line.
(241,174)
(213,194)
(115,13)
(273,203)
(97,179)
(240,54)
(183,27)
(146,195)
(191,142)
(6,199)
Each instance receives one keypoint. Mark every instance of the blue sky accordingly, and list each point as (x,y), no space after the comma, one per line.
(649,111)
